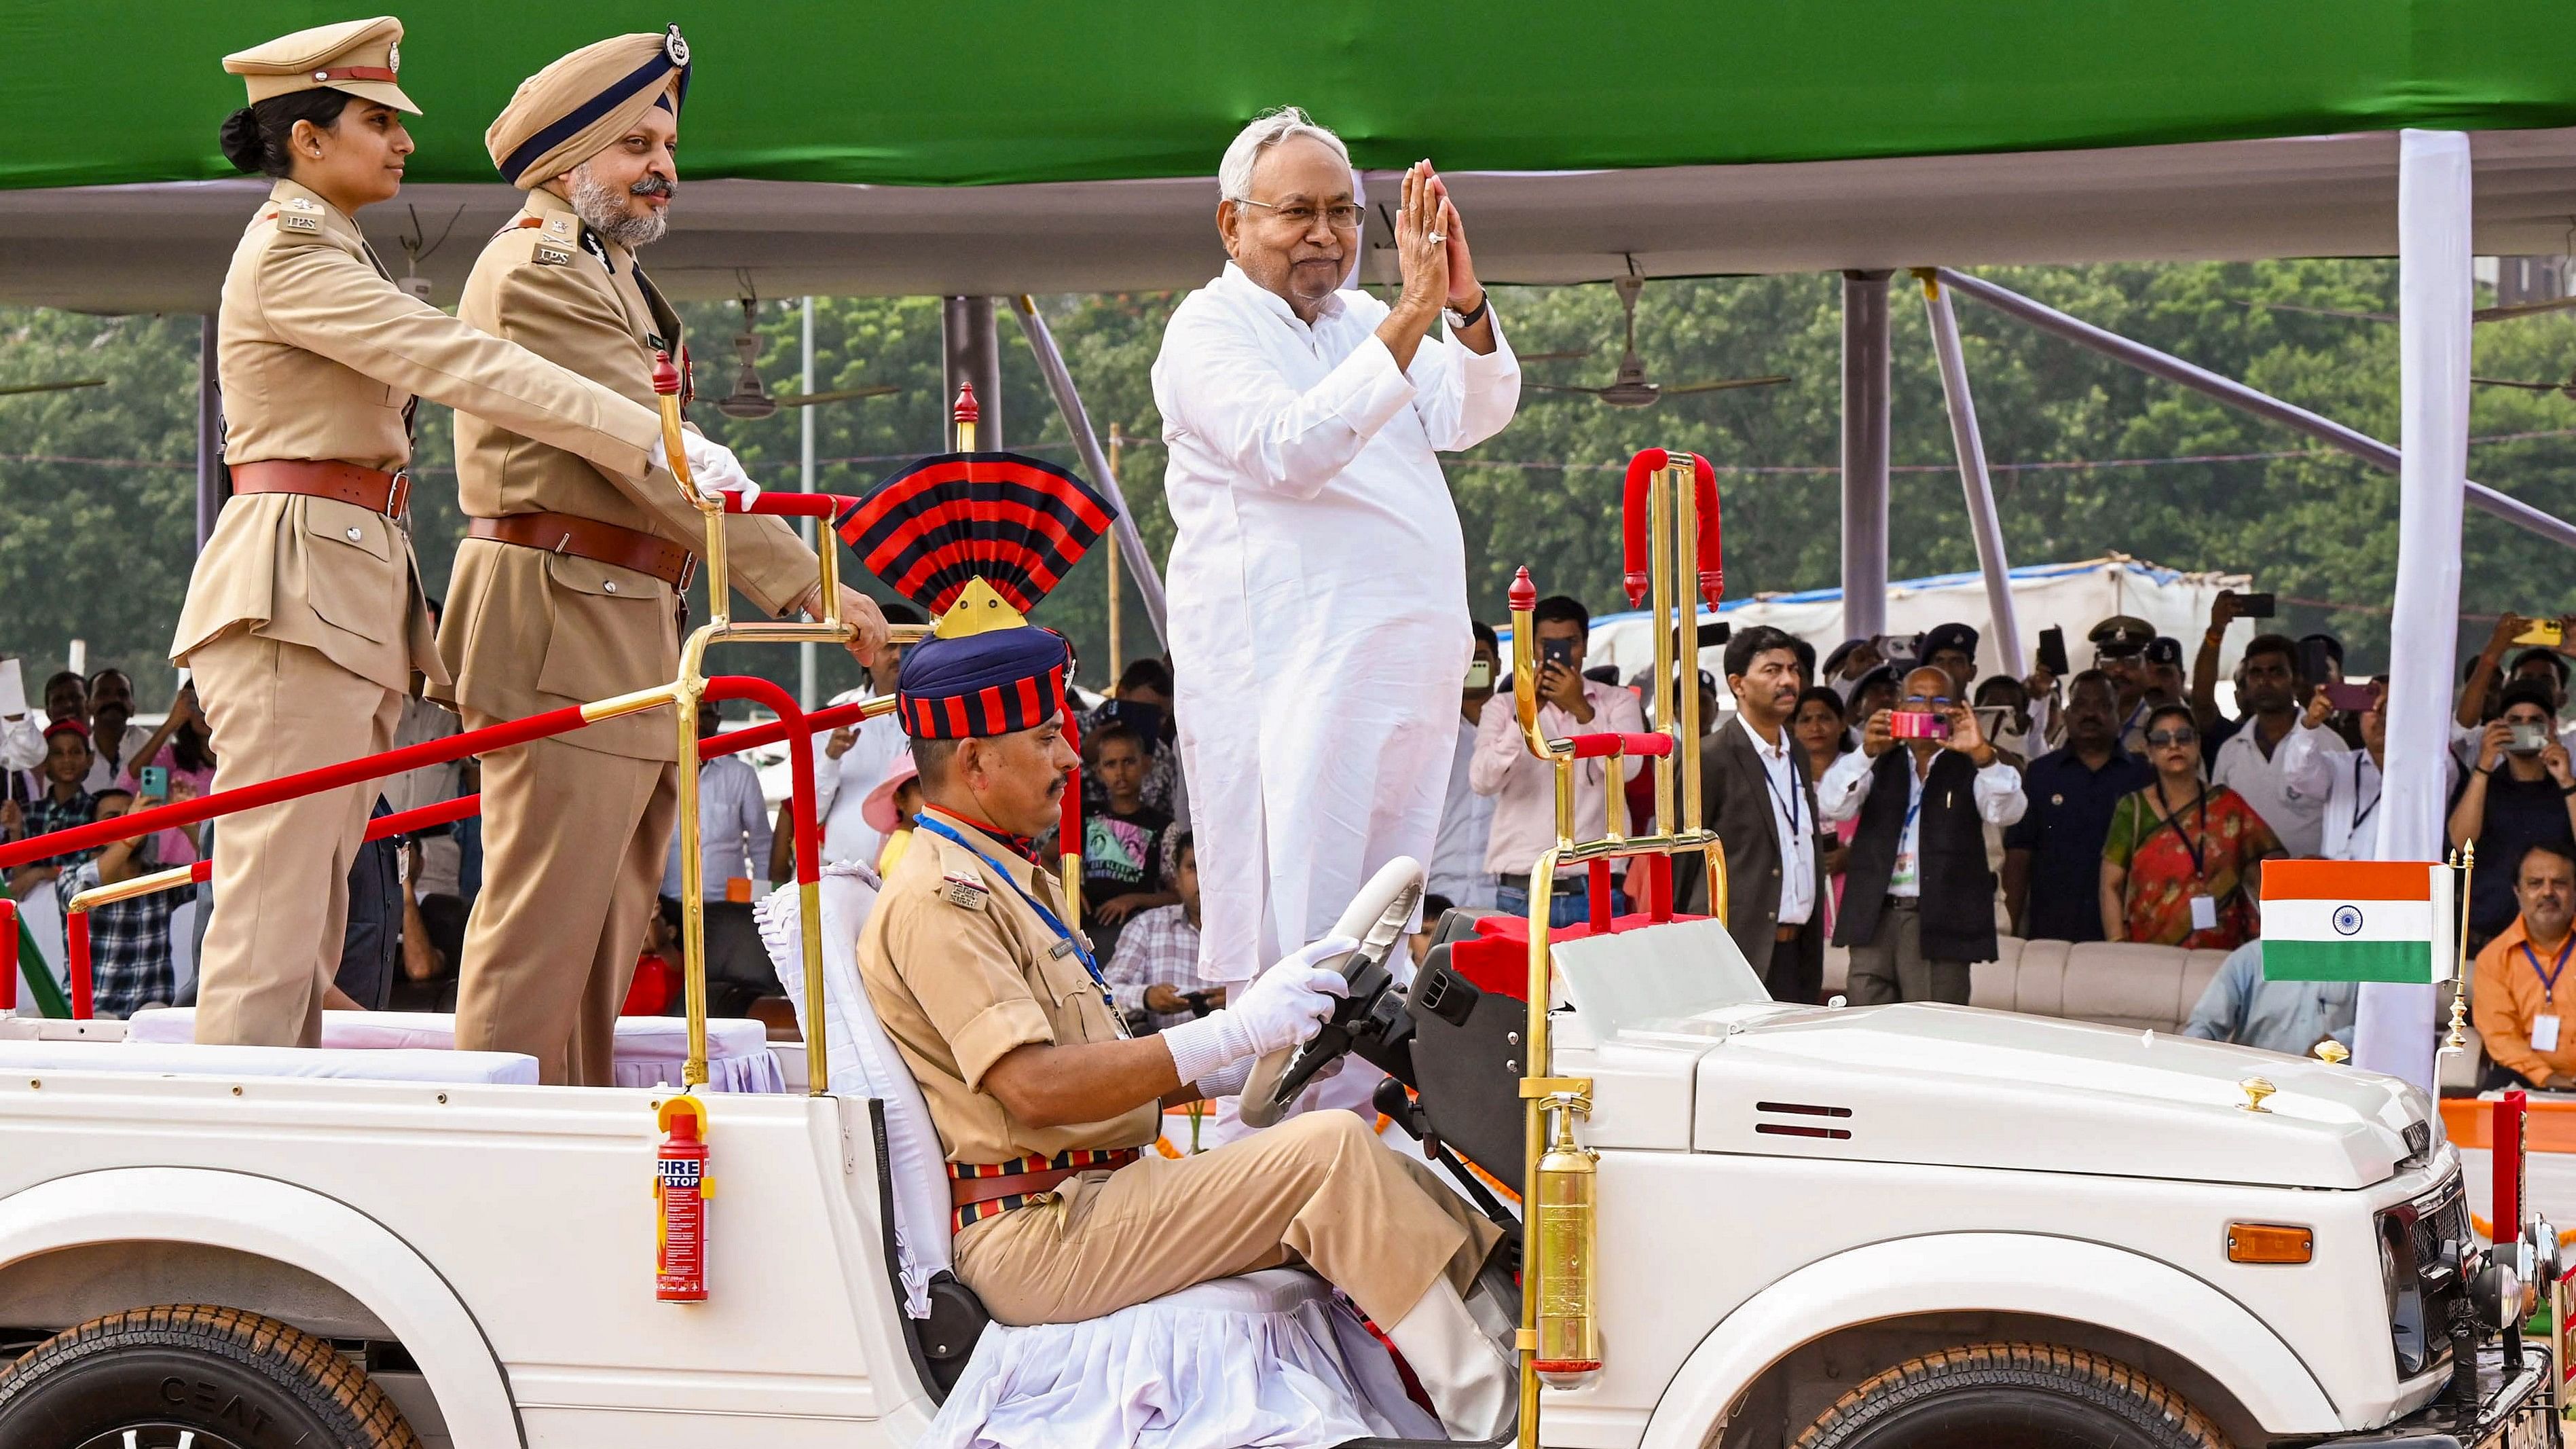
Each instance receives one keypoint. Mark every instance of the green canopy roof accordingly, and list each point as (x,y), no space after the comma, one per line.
(1014,91)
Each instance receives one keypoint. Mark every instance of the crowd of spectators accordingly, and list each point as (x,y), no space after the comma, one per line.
(1889,799)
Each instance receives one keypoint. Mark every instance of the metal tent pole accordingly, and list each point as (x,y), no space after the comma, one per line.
(2236,394)
(2394,1033)
(1980,488)
(1147,579)
(805,662)
(1865,434)
(971,351)
(213,486)
(1117,645)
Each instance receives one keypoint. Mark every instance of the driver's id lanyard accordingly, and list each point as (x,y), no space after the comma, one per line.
(1071,939)
(2544,1029)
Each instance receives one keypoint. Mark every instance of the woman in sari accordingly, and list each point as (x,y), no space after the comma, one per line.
(2178,864)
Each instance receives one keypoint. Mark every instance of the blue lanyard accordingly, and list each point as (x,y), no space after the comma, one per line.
(2549,982)
(1081,952)
(1789,805)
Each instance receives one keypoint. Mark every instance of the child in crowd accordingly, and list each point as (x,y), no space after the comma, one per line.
(129,940)
(1119,843)
(1156,969)
(63,804)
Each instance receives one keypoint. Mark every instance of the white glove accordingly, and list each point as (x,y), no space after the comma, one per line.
(712,467)
(1283,1008)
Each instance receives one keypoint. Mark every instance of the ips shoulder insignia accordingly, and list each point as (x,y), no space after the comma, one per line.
(553,256)
(560,226)
(298,222)
(966,892)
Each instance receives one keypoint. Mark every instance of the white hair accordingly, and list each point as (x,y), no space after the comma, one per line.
(1234,173)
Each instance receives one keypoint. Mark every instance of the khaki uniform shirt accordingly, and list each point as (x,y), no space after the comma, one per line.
(961,971)
(319,354)
(527,631)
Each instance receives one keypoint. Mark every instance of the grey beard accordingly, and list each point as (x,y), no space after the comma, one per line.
(602,208)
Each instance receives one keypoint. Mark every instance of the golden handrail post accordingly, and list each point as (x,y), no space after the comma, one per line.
(685,694)
(1659,575)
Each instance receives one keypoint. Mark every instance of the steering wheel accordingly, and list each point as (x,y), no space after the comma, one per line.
(1376,918)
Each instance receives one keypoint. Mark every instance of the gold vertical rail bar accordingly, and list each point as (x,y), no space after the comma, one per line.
(1542,894)
(1659,574)
(1683,478)
(685,693)
(1117,663)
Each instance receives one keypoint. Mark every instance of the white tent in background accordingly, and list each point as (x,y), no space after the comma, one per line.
(2071,596)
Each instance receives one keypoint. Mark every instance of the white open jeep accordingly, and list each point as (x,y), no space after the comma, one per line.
(1918,1226)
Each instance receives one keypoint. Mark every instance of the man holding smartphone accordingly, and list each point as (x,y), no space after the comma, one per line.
(1918,899)
(2252,764)
(1524,786)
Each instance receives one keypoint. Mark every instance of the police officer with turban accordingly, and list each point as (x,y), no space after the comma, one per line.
(568,584)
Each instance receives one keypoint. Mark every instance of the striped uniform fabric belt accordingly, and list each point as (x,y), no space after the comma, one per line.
(980,1190)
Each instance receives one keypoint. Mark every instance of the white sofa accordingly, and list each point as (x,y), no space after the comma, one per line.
(2111,982)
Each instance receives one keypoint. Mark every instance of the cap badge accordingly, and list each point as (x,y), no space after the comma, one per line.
(675,47)
(393,58)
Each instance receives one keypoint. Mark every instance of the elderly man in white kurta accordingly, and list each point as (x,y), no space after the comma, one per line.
(1319,623)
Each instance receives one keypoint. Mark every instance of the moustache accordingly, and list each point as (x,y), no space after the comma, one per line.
(654,186)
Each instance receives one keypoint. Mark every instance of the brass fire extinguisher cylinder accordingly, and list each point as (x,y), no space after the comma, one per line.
(1566,1223)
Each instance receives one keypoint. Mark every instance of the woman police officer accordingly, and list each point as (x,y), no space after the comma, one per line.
(305,623)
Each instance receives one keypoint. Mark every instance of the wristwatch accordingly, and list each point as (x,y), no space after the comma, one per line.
(1460,320)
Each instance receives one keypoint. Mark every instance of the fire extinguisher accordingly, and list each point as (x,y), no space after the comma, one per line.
(680,1191)
(1563,1222)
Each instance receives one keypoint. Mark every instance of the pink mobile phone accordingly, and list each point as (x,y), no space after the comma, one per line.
(2352,698)
(1914,725)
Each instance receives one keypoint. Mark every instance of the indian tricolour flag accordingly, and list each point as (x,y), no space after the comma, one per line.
(2356,920)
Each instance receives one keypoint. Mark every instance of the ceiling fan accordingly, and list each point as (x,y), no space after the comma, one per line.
(15,389)
(1629,388)
(2566,389)
(751,402)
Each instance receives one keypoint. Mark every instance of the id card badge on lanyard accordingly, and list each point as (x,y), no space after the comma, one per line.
(2544,1028)
(1066,940)
(2204,906)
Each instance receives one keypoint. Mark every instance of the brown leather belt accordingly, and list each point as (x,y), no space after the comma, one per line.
(589,538)
(370,488)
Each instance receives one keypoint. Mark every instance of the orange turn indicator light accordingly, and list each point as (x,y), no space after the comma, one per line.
(2269,1243)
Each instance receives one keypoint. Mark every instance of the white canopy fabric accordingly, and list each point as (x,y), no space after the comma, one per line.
(2071,596)
(163,247)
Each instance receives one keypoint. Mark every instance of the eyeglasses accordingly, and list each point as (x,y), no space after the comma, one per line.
(1936,701)
(1345,217)
(2178,736)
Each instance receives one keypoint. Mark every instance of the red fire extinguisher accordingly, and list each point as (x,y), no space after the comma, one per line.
(680,1190)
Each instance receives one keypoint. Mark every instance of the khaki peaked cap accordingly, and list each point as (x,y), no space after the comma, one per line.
(356,56)
(570,111)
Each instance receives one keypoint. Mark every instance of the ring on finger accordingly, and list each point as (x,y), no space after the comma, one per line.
(1439,236)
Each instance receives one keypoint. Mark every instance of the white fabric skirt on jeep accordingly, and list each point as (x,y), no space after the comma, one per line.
(1265,1359)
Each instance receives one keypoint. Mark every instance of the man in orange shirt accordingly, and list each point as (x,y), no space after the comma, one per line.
(2519,975)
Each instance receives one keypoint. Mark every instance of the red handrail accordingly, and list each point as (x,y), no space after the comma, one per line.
(793,725)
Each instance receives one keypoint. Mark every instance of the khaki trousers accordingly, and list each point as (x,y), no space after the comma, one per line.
(281,872)
(1319,1187)
(574,842)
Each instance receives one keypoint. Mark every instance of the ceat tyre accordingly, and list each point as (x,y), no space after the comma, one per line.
(192,1377)
(2011,1396)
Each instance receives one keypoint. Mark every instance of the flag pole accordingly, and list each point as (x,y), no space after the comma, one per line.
(2463,860)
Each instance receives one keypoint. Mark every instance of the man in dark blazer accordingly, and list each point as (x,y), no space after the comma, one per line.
(1756,794)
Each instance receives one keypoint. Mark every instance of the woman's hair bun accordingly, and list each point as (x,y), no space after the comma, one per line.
(241,141)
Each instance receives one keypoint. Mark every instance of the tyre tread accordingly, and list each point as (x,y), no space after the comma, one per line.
(306,1368)
(2079,1374)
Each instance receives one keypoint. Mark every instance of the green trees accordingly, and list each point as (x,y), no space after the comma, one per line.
(97,485)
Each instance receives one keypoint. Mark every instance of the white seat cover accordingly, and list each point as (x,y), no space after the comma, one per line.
(1264,1359)
(650,1049)
(401,1064)
(863,1063)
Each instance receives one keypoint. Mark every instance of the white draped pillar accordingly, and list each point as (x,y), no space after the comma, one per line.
(2396,1029)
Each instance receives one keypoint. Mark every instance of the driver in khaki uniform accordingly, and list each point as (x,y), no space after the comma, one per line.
(1043,1103)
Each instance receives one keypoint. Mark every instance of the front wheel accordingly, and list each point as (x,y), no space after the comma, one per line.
(2011,1396)
(194,1376)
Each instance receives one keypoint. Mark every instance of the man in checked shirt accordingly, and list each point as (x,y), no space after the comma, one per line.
(129,941)
(1156,969)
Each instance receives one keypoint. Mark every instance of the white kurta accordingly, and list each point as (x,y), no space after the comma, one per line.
(1319,624)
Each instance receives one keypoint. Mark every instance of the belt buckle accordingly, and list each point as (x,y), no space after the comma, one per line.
(398,497)
(688,570)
